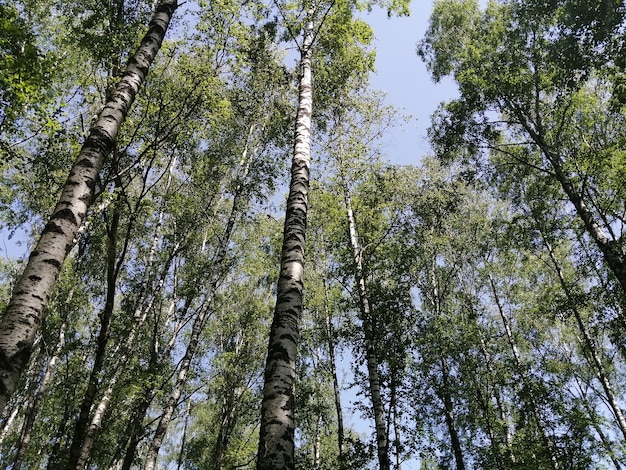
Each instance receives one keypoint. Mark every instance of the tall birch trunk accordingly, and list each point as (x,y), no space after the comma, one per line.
(609,447)
(393,408)
(25,311)
(446,398)
(103,337)
(503,424)
(371,353)
(87,429)
(612,254)
(276,434)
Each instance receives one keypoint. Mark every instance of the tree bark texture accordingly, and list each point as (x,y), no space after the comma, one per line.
(276,435)
(25,311)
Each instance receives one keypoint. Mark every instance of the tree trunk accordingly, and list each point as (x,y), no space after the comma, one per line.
(393,408)
(317,446)
(121,355)
(333,369)
(183,440)
(25,311)
(276,434)
(591,353)
(444,395)
(102,340)
(611,253)
(227,421)
(33,409)
(609,447)
(201,317)
(371,355)
(546,439)
(504,421)
(86,430)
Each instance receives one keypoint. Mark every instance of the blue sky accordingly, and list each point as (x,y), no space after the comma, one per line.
(403,76)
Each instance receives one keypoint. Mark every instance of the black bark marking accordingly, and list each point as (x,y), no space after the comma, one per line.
(279,352)
(85,163)
(53,262)
(91,183)
(289,337)
(65,214)
(51,227)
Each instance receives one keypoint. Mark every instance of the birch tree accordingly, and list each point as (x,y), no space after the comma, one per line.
(333,26)
(536,96)
(26,309)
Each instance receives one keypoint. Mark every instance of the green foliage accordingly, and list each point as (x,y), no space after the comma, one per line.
(23,66)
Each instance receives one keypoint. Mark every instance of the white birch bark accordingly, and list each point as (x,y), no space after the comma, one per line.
(276,435)
(25,311)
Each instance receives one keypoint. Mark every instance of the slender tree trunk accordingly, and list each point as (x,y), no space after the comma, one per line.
(102,340)
(611,252)
(606,443)
(483,400)
(333,369)
(181,378)
(25,311)
(504,420)
(590,350)
(135,428)
(276,434)
(227,421)
(546,439)
(55,457)
(371,355)
(393,408)
(86,429)
(183,440)
(34,407)
(200,319)
(444,395)
(122,354)
(317,447)
(127,448)
(6,427)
